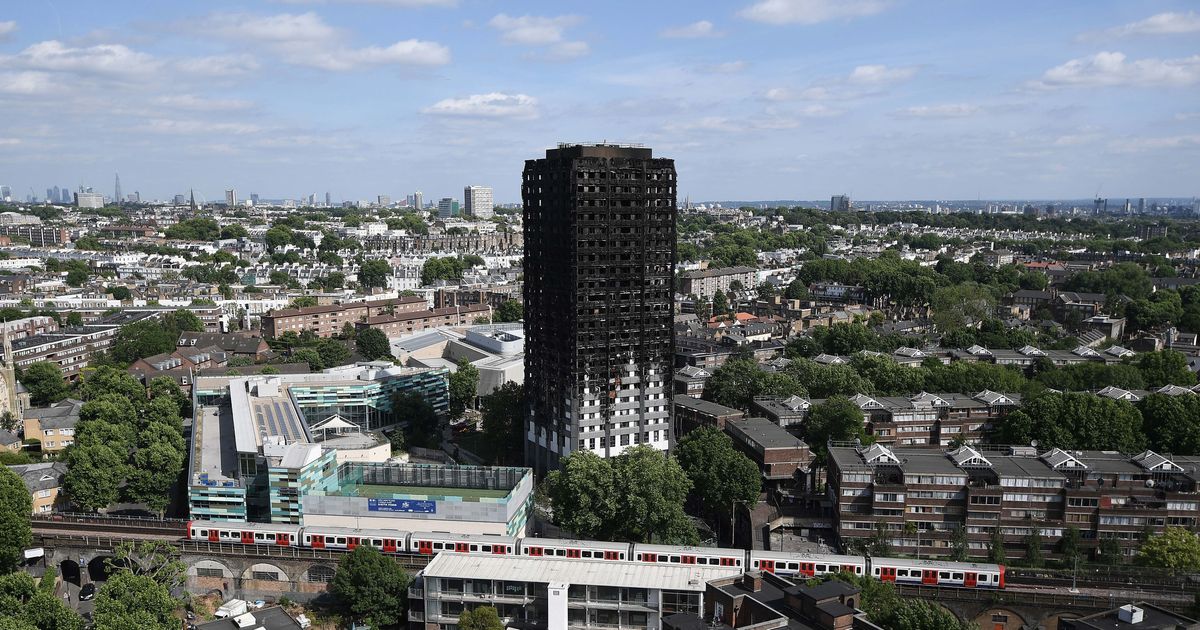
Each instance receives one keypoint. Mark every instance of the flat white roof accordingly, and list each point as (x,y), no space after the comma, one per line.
(576,571)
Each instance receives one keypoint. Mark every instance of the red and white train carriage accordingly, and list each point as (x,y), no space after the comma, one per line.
(429,543)
(385,540)
(938,573)
(704,556)
(563,548)
(806,564)
(245,533)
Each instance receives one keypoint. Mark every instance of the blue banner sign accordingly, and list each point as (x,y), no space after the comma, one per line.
(402,505)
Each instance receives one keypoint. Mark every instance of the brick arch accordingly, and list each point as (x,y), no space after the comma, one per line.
(319,573)
(207,568)
(987,619)
(263,568)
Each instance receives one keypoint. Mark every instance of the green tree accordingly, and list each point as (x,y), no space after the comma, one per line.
(304,301)
(1033,548)
(956,306)
(635,496)
(309,356)
(918,614)
(334,352)
(480,618)
(464,382)
(424,425)
(1164,368)
(836,419)
(720,303)
(142,339)
(120,293)
(958,544)
(155,559)
(824,381)
(371,587)
(1069,545)
(739,380)
(796,290)
(15,508)
(996,553)
(23,606)
(127,600)
(721,475)
(374,273)
(233,231)
(94,475)
(278,277)
(373,344)
(156,468)
(509,311)
(1109,551)
(504,423)
(77,277)
(1075,421)
(1176,549)
(45,383)
(1172,423)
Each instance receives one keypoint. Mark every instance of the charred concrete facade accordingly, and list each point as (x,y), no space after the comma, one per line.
(599,257)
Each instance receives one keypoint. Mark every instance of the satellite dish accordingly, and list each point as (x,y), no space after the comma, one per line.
(1033,443)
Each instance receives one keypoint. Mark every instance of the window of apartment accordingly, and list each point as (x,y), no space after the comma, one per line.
(1085,502)
(985,500)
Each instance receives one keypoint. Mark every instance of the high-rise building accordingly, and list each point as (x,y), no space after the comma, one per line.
(89,200)
(5,193)
(231,197)
(117,190)
(52,195)
(477,202)
(1142,205)
(254,199)
(419,200)
(328,200)
(65,193)
(384,201)
(839,203)
(447,207)
(180,200)
(599,228)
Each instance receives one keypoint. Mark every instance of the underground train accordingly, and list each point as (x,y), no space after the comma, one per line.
(898,570)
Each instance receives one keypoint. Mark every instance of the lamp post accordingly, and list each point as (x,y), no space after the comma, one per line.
(1074,589)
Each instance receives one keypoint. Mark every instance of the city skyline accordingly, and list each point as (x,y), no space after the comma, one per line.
(755,99)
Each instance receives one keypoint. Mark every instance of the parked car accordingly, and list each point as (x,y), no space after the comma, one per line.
(87,592)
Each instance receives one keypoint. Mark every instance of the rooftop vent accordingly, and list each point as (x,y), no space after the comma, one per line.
(1129,614)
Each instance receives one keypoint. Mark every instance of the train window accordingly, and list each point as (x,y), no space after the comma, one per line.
(341,540)
(639,556)
(438,545)
(674,559)
(858,570)
(701,560)
(822,568)
(737,563)
(957,576)
(945,575)
(876,570)
(899,572)
(258,536)
(484,548)
(203,533)
(586,554)
(474,547)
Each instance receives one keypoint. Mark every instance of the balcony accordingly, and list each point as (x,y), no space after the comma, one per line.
(416,593)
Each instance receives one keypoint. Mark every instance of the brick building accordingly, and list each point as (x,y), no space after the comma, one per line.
(415,321)
(327,321)
(1105,495)
(704,283)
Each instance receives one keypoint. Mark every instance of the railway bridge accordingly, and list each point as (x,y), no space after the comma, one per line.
(79,544)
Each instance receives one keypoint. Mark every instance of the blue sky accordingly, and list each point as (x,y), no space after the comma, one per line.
(754,99)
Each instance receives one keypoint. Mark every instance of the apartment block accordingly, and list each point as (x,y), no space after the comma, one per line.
(1018,489)
(409,322)
(327,321)
(705,283)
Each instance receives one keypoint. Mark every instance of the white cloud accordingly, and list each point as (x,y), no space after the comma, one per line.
(811,11)
(949,110)
(877,74)
(1160,24)
(535,30)
(1112,68)
(219,65)
(195,103)
(1138,145)
(490,105)
(306,40)
(9,142)
(695,30)
(197,127)
(532,29)
(104,59)
(6,29)
(27,83)
(729,67)
(1075,139)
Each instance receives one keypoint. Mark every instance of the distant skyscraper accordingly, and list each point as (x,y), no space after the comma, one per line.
(52,195)
(1142,205)
(5,193)
(419,200)
(117,198)
(384,201)
(477,202)
(89,200)
(447,208)
(254,199)
(1100,206)
(599,264)
(65,194)
(180,200)
(839,203)
(1128,207)
(231,197)
(328,200)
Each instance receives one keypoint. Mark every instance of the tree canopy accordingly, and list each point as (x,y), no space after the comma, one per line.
(371,587)
(720,474)
(504,424)
(1176,549)
(45,383)
(15,508)
(127,600)
(373,344)
(635,496)
(464,382)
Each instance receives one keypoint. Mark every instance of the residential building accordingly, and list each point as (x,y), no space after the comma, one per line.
(327,321)
(44,481)
(1018,489)
(53,426)
(693,413)
(37,235)
(558,593)
(690,380)
(235,345)
(70,348)
(839,203)
(781,456)
(406,323)
(477,202)
(231,197)
(599,225)
(705,283)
